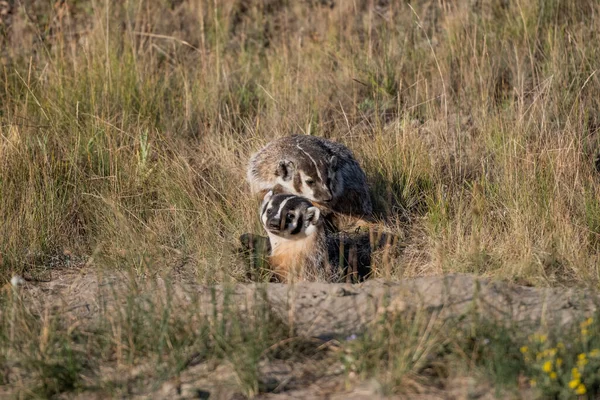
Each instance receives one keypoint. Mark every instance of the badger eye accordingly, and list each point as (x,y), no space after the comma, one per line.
(269,212)
(290,217)
(309,182)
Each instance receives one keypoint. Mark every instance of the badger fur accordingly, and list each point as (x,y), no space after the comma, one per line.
(318,169)
(301,249)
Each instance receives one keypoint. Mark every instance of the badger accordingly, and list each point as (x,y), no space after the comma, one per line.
(299,246)
(317,169)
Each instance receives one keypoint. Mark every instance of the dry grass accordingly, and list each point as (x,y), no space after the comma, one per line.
(125,128)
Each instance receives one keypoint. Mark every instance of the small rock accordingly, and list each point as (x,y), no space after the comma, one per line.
(169,389)
(341,292)
(17,280)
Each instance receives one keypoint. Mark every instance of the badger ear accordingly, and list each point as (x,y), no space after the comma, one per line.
(285,169)
(268,196)
(312,215)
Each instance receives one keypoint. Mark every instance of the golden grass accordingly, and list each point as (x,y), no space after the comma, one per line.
(125,128)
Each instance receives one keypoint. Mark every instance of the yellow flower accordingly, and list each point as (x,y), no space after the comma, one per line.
(524,349)
(574,383)
(581,356)
(552,352)
(553,375)
(595,353)
(547,366)
(580,389)
(585,332)
(533,382)
(581,363)
(575,373)
(587,322)
(558,362)
(560,345)
(539,337)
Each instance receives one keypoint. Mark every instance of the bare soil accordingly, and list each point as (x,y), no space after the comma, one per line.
(317,310)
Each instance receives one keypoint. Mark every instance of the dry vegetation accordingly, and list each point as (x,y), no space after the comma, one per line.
(125,128)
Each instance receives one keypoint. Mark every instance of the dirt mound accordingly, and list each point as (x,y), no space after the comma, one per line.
(311,310)
(327,310)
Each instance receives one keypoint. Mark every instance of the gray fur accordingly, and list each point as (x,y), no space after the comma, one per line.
(325,172)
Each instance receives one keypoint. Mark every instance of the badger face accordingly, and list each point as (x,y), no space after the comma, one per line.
(311,177)
(289,216)
(315,188)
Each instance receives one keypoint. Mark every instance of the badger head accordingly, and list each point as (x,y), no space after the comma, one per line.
(311,176)
(288,215)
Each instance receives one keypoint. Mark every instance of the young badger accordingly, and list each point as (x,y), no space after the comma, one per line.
(300,249)
(318,169)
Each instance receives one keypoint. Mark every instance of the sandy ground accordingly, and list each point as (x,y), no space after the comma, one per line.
(317,311)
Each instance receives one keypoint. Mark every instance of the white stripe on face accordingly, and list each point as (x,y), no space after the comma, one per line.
(278,216)
(311,159)
(266,203)
(305,190)
(263,216)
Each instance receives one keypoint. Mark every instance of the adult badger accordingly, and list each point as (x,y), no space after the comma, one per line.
(318,169)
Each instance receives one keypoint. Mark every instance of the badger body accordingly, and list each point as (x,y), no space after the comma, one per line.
(322,171)
(300,247)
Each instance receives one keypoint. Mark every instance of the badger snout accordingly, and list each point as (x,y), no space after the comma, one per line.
(326,196)
(323,195)
(274,224)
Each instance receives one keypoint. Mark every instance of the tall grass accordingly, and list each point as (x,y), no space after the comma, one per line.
(125,128)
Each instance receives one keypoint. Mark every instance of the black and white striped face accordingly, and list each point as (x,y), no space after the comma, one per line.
(289,216)
(309,175)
